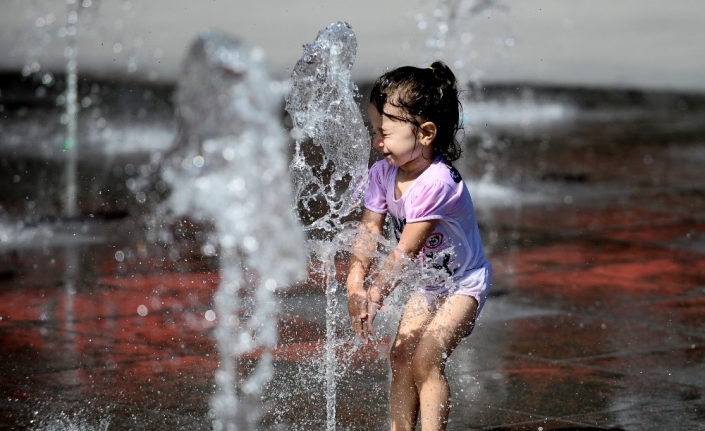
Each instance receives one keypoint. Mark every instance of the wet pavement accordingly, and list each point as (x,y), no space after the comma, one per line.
(596,229)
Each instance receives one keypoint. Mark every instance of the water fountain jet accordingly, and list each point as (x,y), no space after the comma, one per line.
(327,118)
(228,168)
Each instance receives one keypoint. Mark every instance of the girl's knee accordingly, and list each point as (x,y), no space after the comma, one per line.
(426,364)
(400,358)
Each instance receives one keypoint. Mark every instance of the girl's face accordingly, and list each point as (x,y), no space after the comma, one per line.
(396,140)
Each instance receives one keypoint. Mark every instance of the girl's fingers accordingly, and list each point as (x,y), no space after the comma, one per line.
(361,331)
(359,317)
(372,309)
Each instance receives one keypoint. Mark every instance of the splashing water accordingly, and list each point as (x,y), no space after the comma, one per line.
(327,118)
(72,422)
(228,168)
(329,167)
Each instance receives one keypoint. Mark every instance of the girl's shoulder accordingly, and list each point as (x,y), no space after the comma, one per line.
(444,172)
(381,171)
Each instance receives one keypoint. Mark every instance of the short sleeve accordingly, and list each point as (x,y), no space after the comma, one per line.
(376,193)
(434,200)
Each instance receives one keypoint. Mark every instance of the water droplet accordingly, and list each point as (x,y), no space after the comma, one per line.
(119,256)
(228,154)
(131,65)
(48,79)
(142,310)
(250,244)
(203,183)
(208,250)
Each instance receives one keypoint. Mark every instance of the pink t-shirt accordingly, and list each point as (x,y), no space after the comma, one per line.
(455,246)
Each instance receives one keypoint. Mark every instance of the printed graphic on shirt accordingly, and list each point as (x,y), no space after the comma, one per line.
(437,254)
(436,258)
(434,241)
(398,226)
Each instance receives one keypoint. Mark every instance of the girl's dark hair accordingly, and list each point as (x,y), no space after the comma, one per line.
(429,94)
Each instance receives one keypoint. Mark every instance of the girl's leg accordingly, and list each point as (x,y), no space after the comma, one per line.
(404,400)
(441,337)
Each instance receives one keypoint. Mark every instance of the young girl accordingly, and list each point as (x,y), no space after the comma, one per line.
(415,114)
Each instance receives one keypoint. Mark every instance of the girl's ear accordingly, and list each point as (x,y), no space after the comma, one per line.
(427,133)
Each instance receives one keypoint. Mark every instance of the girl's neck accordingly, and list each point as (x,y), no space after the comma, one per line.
(416,167)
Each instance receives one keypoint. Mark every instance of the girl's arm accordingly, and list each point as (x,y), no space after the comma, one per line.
(365,245)
(412,240)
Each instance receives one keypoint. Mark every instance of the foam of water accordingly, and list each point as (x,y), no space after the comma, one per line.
(17,236)
(522,112)
(229,168)
(488,194)
(72,422)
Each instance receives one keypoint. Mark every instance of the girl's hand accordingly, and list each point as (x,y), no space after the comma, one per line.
(372,309)
(374,305)
(357,308)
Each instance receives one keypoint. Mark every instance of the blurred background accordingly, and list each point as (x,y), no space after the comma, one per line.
(86,86)
(628,43)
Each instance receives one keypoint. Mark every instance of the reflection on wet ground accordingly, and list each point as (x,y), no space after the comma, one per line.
(595,225)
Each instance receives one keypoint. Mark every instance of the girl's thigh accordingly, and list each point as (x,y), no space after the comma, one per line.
(413,324)
(451,323)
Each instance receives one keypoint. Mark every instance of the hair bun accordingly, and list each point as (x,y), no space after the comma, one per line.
(443,73)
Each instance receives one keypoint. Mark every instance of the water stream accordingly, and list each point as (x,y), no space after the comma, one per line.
(329,129)
(70,143)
